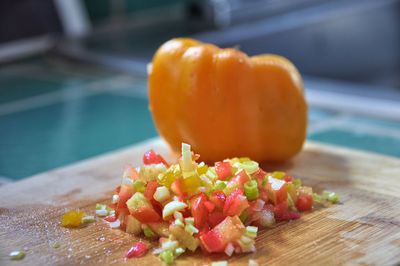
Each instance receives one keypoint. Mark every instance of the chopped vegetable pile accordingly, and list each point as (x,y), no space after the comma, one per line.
(191,205)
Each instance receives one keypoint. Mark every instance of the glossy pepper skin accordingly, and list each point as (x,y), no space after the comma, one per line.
(226,104)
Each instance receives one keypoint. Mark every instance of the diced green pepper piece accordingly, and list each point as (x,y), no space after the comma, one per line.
(290,201)
(139,186)
(230,187)
(292,191)
(330,196)
(251,190)
(100,206)
(167,178)
(148,232)
(179,222)
(167,256)
(265,181)
(297,183)
(244,216)
(249,166)
(137,201)
(220,185)
(317,198)
(211,173)
(251,231)
(202,168)
(88,219)
(191,229)
(278,174)
(244,159)
(189,220)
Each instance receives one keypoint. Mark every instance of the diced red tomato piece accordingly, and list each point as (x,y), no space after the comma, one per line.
(223,170)
(231,204)
(288,178)
(294,215)
(137,250)
(160,228)
(199,210)
(209,206)
(186,212)
(125,193)
(235,203)
(131,172)
(150,189)
(122,216)
(146,215)
(256,205)
(304,202)
(240,178)
(218,198)
(215,218)
(259,174)
(151,157)
(110,218)
(263,194)
(289,215)
(121,213)
(230,229)
(177,187)
(277,190)
(158,207)
(281,211)
(212,242)
(204,230)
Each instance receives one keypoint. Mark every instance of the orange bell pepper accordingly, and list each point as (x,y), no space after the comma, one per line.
(226,104)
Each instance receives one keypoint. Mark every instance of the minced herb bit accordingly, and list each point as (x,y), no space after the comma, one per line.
(17,255)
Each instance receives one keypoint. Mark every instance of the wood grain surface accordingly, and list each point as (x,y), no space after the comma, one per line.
(363,230)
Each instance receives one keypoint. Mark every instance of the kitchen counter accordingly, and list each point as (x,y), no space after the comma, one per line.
(55,112)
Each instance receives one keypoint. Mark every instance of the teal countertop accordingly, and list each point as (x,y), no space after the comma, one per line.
(54,113)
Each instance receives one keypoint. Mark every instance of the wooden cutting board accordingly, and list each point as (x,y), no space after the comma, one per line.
(363,229)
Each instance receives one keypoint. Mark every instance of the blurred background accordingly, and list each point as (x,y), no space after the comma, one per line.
(73,72)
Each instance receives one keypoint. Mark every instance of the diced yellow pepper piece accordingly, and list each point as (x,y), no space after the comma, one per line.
(72,219)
